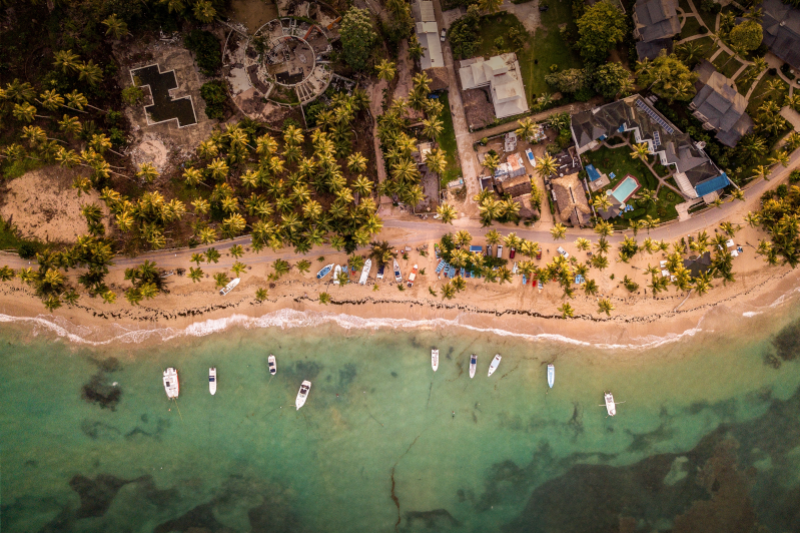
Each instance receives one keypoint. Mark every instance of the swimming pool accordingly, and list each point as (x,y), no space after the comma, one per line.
(625,189)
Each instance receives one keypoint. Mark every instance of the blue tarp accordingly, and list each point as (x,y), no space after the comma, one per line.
(593,173)
(714,184)
(474,248)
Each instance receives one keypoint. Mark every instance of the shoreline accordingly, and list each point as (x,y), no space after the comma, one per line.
(638,323)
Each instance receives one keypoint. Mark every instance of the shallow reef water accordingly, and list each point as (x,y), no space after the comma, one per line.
(705,439)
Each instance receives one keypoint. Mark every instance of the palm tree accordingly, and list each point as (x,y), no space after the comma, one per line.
(386,70)
(204,11)
(641,151)
(605,306)
(546,166)
(90,73)
(324,298)
(604,229)
(566,310)
(432,127)
(116,27)
(761,171)
(493,237)
(238,268)
(527,129)
(212,255)
(261,294)
(436,161)
(490,6)
(583,244)
(66,61)
(558,231)
(356,163)
(601,202)
(753,219)
(590,287)
(529,248)
(636,225)
(447,213)
(600,262)
(781,157)
(690,52)
(415,50)
(195,274)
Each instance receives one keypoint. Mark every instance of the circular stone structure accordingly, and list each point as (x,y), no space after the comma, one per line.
(290,61)
(282,64)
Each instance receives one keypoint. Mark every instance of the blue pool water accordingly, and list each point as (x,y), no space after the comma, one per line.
(624,190)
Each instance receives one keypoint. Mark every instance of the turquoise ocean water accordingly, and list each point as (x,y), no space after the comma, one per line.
(707,440)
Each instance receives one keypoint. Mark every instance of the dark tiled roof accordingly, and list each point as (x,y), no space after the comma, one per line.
(652,49)
(721,104)
(635,112)
(781,25)
(658,19)
(697,265)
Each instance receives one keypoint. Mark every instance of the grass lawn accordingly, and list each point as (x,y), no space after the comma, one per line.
(683,4)
(726,65)
(759,95)
(663,209)
(544,49)
(621,164)
(447,142)
(709,18)
(743,87)
(692,27)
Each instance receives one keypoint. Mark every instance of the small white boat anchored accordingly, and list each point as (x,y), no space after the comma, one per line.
(212,380)
(171,384)
(302,394)
(336,272)
(272,363)
(495,363)
(551,375)
(229,287)
(324,271)
(365,272)
(610,406)
(398,276)
(473,365)
(435,359)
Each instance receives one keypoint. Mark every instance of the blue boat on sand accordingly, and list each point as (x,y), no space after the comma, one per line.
(325,271)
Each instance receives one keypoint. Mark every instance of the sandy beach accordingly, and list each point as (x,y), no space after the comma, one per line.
(638,318)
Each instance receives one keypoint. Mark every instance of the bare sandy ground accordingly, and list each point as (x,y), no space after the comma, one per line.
(43,205)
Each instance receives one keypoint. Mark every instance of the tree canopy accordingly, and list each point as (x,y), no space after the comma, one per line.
(358,36)
(612,78)
(747,35)
(668,77)
(601,27)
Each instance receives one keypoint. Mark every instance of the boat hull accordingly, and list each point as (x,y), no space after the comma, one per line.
(336,272)
(495,364)
(435,360)
(611,407)
(551,375)
(473,366)
(171,383)
(324,271)
(272,363)
(302,394)
(212,381)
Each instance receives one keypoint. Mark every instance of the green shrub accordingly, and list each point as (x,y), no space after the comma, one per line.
(206,49)
(215,95)
(132,95)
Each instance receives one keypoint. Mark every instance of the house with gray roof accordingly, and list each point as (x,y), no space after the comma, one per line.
(655,23)
(428,34)
(781,25)
(694,172)
(720,106)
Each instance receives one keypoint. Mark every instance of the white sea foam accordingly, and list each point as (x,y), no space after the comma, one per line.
(290,318)
(751,314)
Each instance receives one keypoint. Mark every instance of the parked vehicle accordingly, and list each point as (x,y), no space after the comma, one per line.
(499,251)
(512,252)
(563,253)
(443,35)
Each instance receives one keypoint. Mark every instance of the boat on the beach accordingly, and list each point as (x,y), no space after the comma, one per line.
(365,272)
(412,276)
(551,375)
(212,380)
(336,272)
(229,287)
(171,384)
(435,359)
(381,269)
(272,364)
(473,365)
(302,394)
(495,363)
(398,276)
(610,406)
(324,271)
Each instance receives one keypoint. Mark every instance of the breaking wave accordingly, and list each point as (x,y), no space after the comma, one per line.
(290,318)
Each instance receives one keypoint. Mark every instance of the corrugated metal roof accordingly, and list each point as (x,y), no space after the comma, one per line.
(712,185)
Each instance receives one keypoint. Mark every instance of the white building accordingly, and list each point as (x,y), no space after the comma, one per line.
(428,35)
(503,77)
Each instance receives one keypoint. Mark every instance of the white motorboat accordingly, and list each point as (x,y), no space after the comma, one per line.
(398,276)
(272,363)
(302,394)
(610,406)
(336,272)
(171,384)
(229,287)
(495,363)
(324,271)
(551,375)
(435,360)
(212,381)
(365,272)
(412,276)
(473,365)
